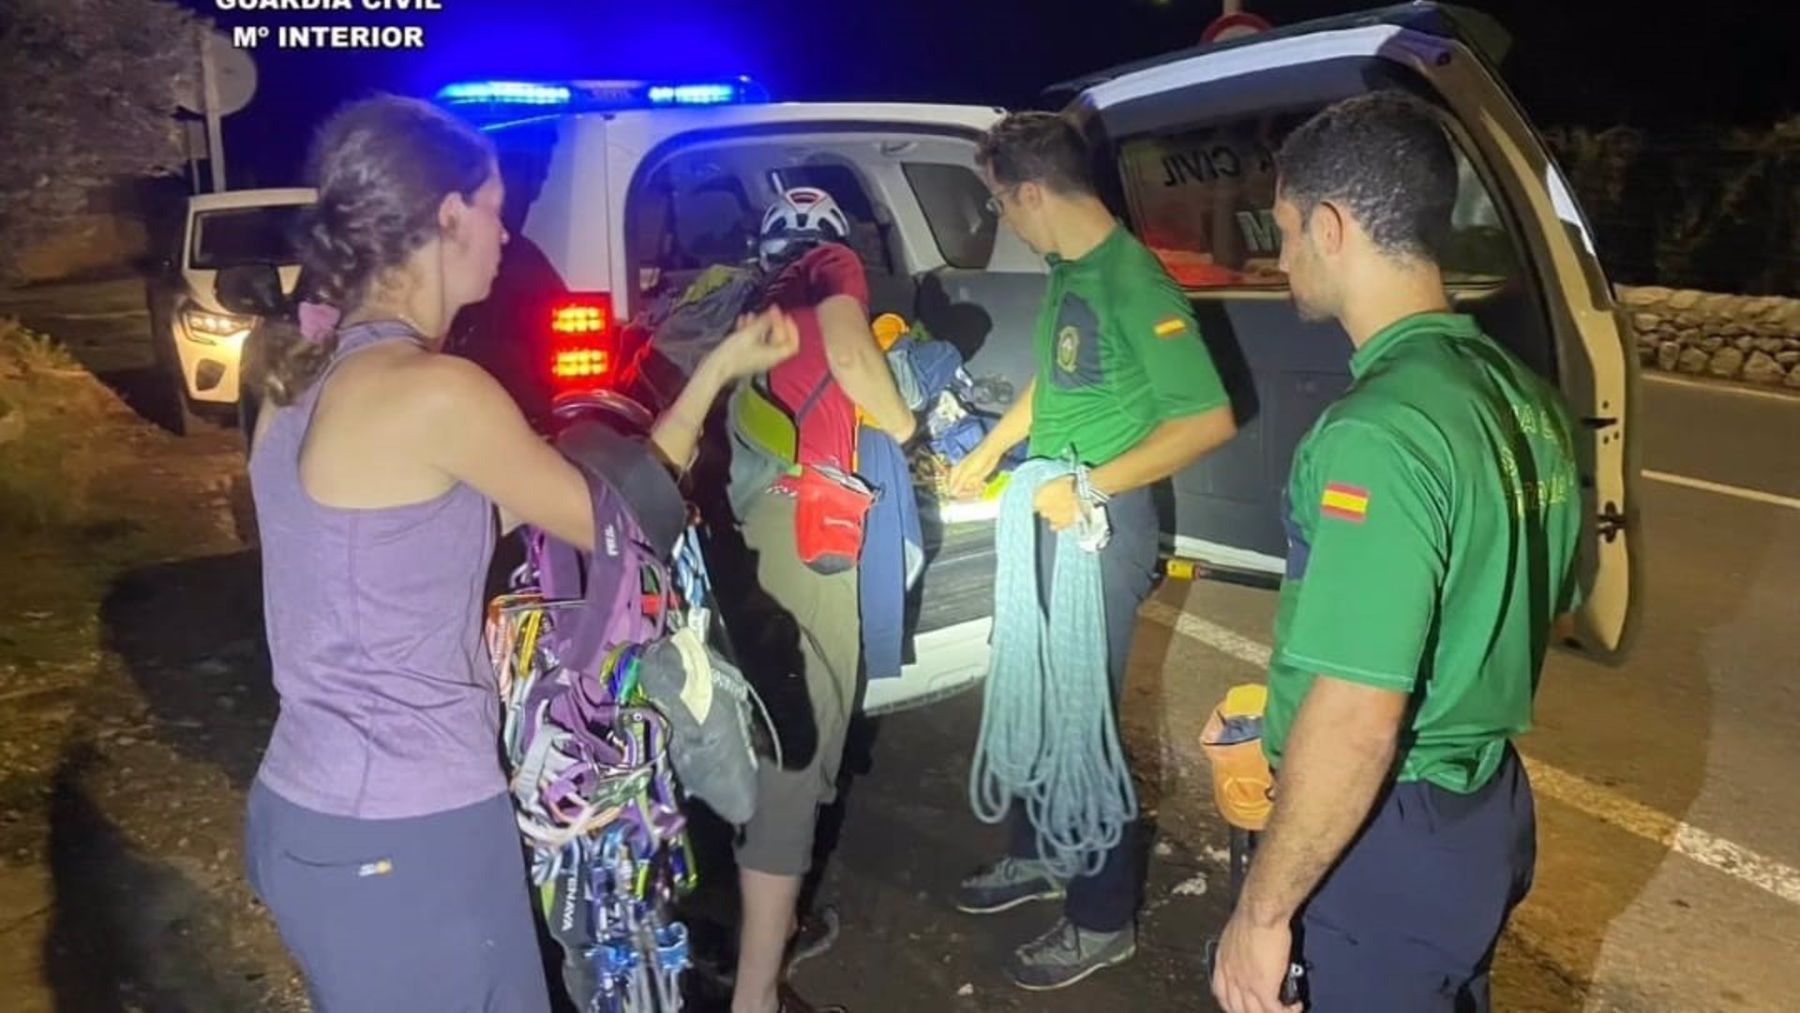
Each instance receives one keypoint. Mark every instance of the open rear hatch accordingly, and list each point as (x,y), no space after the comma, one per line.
(1187,144)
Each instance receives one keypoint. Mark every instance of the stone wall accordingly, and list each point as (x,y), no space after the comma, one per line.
(1755,339)
(90,244)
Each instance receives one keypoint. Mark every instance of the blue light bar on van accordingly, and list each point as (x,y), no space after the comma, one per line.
(500,98)
(528,93)
(694,94)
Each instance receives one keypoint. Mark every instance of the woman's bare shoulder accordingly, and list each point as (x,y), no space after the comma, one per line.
(429,386)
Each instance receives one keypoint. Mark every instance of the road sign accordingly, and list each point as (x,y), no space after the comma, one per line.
(226,82)
(1232,25)
(234,75)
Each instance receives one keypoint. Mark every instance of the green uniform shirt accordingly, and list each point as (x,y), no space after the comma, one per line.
(1117,353)
(1432,518)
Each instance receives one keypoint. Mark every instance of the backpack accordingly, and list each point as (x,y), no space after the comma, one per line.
(609,693)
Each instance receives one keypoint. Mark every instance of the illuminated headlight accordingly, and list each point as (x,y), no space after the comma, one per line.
(208,327)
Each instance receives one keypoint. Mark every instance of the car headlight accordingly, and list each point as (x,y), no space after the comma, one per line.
(208,327)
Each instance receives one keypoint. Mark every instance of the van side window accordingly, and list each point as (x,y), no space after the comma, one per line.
(1204,201)
(955,205)
(713,223)
(837,180)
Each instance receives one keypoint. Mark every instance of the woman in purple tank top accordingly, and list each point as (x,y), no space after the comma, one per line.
(379,831)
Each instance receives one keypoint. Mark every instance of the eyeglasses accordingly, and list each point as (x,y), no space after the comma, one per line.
(996,201)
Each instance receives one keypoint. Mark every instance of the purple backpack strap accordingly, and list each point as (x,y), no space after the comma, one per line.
(558,567)
(611,588)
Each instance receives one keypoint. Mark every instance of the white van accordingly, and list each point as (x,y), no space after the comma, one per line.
(197,342)
(621,187)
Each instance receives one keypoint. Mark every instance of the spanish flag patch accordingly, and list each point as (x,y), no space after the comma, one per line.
(1170,327)
(1345,502)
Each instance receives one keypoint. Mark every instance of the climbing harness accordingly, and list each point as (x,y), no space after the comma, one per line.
(596,796)
(1048,734)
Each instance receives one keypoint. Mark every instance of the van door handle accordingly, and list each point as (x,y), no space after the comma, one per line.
(1611,522)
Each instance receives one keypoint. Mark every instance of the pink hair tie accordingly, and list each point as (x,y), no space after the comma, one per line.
(317,320)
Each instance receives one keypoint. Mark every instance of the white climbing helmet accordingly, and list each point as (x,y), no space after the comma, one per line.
(800,217)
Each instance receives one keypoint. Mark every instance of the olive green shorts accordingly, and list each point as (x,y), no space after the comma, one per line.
(825,621)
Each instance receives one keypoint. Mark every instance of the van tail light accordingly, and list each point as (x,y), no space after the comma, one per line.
(583,343)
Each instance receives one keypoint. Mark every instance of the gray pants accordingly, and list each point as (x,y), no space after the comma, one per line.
(426,914)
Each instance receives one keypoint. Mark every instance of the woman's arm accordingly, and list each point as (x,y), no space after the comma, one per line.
(676,435)
(760,342)
(467,425)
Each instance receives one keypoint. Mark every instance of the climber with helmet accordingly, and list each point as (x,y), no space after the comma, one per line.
(801,512)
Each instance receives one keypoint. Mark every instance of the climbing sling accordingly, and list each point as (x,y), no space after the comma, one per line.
(1049,738)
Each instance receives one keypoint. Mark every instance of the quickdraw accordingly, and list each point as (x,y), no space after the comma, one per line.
(596,797)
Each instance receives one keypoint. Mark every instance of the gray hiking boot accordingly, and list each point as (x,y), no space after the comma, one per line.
(1005,885)
(1066,954)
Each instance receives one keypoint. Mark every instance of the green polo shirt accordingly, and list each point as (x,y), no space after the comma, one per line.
(1432,517)
(1117,352)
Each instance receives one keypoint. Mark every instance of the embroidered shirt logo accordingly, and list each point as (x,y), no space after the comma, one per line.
(1068,348)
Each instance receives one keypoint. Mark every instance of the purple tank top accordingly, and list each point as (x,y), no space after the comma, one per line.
(388,702)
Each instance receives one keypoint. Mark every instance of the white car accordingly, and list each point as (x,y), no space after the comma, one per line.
(196,340)
(624,187)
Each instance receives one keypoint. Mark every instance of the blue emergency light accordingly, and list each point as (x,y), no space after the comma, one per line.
(693,94)
(484,99)
(528,93)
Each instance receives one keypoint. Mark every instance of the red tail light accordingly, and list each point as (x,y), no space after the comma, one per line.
(583,340)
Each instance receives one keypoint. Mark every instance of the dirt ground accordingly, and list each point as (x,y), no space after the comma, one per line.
(133,706)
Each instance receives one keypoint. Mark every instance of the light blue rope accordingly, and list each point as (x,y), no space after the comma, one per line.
(1048,736)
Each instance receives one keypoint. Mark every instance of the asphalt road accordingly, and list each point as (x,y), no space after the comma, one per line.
(1669,823)
(1669,830)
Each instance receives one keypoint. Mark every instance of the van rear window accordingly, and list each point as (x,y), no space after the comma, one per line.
(237,236)
(837,180)
(955,205)
(1203,200)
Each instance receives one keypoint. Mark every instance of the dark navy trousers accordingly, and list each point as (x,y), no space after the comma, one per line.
(1108,900)
(427,914)
(1408,919)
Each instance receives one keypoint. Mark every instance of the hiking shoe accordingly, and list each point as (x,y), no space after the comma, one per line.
(1066,954)
(818,932)
(1005,885)
(710,749)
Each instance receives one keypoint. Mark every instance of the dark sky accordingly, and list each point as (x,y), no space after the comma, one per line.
(1594,62)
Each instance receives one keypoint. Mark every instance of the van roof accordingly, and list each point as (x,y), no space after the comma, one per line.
(851,114)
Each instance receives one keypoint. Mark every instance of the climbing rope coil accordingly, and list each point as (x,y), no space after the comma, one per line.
(1048,734)
(596,796)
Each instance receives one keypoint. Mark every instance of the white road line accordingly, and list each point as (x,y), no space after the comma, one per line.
(1211,634)
(1722,489)
(1573,790)
(1634,817)
(1719,388)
